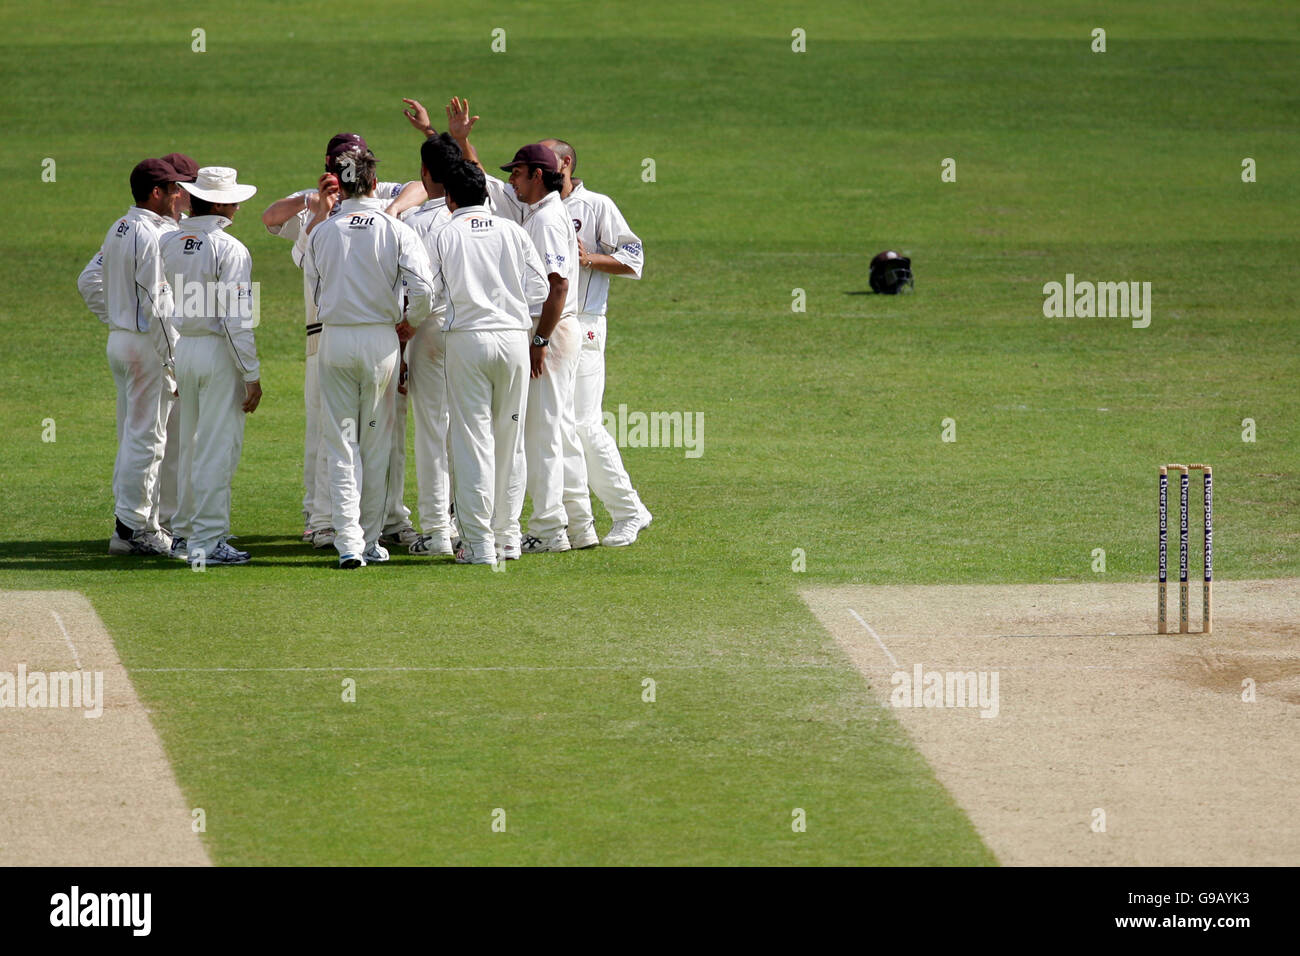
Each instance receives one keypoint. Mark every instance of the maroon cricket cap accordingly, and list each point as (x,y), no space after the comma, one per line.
(187,170)
(535,154)
(149,173)
(343,141)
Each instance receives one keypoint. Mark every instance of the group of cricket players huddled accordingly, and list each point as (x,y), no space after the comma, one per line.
(477,305)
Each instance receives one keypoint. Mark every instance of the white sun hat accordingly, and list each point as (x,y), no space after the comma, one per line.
(217,184)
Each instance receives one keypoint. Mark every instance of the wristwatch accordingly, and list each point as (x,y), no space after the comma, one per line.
(539,342)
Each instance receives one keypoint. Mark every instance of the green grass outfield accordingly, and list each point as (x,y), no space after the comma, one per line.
(775,170)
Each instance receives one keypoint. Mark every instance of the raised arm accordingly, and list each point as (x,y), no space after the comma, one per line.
(418,117)
(459,125)
(282,210)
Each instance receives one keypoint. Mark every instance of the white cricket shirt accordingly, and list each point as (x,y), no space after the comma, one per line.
(295,230)
(137,297)
(547,224)
(601,227)
(201,257)
(360,261)
(486,272)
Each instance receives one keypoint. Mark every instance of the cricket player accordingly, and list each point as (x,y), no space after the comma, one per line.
(358,264)
(426,379)
(557,470)
(217,370)
(293,218)
(91,285)
(487,278)
(138,305)
(607,246)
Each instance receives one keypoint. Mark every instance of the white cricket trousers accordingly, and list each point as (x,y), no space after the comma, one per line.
(168,493)
(315,461)
(605,471)
(144,400)
(557,470)
(211,435)
(396,514)
(426,385)
(488,394)
(358,388)
(316,508)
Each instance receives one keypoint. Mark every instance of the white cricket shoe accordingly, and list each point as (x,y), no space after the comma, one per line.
(223,553)
(350,560)
(401,538)
(180,548)
(625,532)
(508,552)
(141,542)
(427,545)
(586,538)
(465,556)
(558,542)
(375,554)
(324,538)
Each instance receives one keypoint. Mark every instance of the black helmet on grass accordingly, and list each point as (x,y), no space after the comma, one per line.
(890,273)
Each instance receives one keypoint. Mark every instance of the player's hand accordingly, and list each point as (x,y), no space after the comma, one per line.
(582,254)
(459,122)
(418,116)
(252,396)
(404,332)
(537,360)
(327,194)
(401,380)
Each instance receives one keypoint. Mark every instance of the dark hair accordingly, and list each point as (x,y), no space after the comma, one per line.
(465,184)
(437,154)
(355,169)
(552,179)
(200,207)
(141,191)
(562,149)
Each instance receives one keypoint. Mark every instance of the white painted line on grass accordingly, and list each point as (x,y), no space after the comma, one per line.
(872,632)
(506,667)
(68,639)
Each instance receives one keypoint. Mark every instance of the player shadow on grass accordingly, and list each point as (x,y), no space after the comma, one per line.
(92,555)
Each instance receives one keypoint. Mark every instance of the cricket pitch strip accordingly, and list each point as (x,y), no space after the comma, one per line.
(86,781)
(1073,734)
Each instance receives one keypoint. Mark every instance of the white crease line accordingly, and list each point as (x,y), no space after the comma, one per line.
(873,633)
(521,667)
(67,639)
(931,635)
